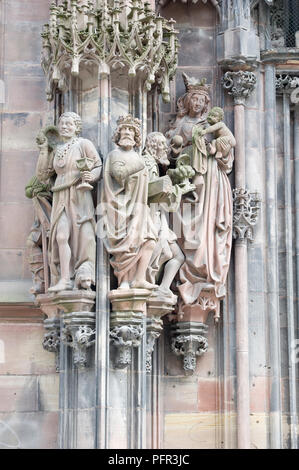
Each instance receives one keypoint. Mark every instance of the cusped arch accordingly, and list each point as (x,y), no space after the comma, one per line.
(215,3)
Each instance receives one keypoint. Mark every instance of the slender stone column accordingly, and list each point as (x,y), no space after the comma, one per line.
(296,169)
(103,278)
(240,84)
(272,257)
(289,266)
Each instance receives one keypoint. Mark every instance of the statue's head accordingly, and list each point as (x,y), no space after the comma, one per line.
(156,146)
(196,100)
(128,134)
(70,123)
(215,115)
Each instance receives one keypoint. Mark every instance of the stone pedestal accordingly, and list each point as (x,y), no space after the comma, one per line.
(126,322)
(188,335)
(69,319)
(157,307)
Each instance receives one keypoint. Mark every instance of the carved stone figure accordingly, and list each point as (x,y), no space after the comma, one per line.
(37,240)
(225,141)
(130,234)
(206,213)
(167,253)
(72,228)
(192,109)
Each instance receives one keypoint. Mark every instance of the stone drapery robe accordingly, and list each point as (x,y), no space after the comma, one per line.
(162,252)
(126,219)
(79,209)
(207,227)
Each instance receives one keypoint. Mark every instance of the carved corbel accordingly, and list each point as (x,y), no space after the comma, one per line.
(188,334)
(51,341)
(239,84)
(79,334)
(157,307)
(288,84)
(74,309)
(154,328)
(127,322)
(246,211)
(189,340)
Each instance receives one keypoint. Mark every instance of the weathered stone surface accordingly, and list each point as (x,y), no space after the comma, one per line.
(20,33)
(23,125)
(205,16)
(48,392)
(29,430)
(25,95)
(36,11)
(15,214)
(17,166)
(18,394)
(190,55)
(12,263)
(180,394)
(196,430)
(24,353)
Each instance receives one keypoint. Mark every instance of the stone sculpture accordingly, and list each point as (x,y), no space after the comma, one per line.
(192,109)
(207,235)
(167,253)
(206,216)
(130,234)
(72,227)
(37,239)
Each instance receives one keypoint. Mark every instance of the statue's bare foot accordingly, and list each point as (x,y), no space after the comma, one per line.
(142,285)
(61,285)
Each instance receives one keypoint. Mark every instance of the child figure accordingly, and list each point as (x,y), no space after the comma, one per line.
(225,141)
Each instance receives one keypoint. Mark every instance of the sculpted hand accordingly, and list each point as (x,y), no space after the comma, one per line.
(42,140)
(169,186)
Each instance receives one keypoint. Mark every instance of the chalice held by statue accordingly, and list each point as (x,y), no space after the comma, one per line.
(84,164)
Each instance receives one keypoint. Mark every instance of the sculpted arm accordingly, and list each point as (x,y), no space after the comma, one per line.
(214,128)
(94,174)
(44,167)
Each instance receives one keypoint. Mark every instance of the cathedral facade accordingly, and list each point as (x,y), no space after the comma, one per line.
(149,246)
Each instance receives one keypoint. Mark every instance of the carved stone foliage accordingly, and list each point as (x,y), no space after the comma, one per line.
(51,341)
(288,84)
(127,322)
(79,334)
(111,36)
(153,330)
(78,322)
(189,340)
(239,84)
(246,211)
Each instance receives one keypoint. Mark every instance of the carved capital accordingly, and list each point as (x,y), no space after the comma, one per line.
(153,330)
(126,331)
(246,207)
(288,84)
(127,322)
(239,84)
(189,340)
(51,341)
(79,334)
